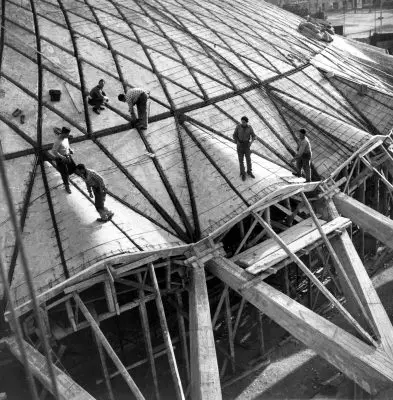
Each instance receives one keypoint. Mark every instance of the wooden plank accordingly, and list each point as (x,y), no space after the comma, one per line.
(70,315)
(235,328)
(147,337)
(134,365)
(167,337)
(109,297)
(274,269)
(228,318)
(298,244)
(246,236)
(372,143)
(219,306)
(99,266)
(269,246)
(182,330)
(269,253)
(318,284)
(111,353)
(103,365)
(368,366)
(288,212)
(351,294)
(205,378)
(68,389)
(272,198)
(358,275)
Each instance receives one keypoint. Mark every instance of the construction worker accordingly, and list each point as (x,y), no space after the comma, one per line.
(61,152)
(97,97)
(95,184)
(138,97)
(303,156)
(244,136)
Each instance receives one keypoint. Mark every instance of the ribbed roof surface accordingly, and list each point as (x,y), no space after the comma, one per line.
(208,62)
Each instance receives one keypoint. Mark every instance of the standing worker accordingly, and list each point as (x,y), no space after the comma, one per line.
(62,151)
(138,97)
(244,136)
(303,156)
(95,183)
(98,97)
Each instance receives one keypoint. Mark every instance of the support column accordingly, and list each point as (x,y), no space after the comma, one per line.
(367,365)
(205,378)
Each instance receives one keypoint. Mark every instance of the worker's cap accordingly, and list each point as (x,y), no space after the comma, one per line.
(302,130)
(65,130)
(244,119)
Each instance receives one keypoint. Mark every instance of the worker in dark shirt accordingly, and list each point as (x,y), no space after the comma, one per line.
(303,155)
(244,136)
(97,97)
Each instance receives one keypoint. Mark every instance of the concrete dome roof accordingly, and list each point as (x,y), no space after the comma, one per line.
(206,64)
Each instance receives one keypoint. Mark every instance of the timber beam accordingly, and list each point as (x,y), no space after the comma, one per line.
(371,221)
(68,389)
(370,367)
(366,297)
(205,377)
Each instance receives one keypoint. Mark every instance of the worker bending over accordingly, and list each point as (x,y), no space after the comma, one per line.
(303,156)
(97,97)
(95,183)
(244,136)
(61,151)
(138,97)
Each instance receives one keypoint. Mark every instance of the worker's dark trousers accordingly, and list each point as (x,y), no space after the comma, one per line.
(96,103)
(305,164)
(66,168)
(141,105)
(243,150)
(99,201)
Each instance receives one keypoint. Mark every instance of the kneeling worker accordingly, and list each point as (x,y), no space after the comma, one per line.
(95,183)
(98,97)
(303,156)
(138,97)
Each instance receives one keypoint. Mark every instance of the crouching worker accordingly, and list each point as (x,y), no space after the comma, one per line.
(303,156)
(138,97)
(61,152)
(97,97)
(95,183)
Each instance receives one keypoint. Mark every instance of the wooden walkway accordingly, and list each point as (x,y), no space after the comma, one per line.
(298,237)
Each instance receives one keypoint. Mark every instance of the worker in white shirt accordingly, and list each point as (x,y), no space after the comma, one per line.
(61,151)
(138,97)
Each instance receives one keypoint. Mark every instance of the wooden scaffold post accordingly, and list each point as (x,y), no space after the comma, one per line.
(111,353)
(205,378)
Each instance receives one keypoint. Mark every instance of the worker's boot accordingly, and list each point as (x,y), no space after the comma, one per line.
(67,188)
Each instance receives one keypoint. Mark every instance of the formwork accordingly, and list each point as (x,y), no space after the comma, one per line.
(193,252)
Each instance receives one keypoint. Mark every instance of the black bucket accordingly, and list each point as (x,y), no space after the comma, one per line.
(55,95)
